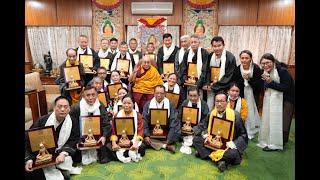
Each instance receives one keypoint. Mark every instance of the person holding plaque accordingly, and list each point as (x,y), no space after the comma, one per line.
(185,45)
(136,151)
(83,48)
(278,104)
(136,54)
(143,81)
(67,132)
(90,105)
(238,142)
(71,61)
(104,46)
(172,86)
(202,119)
(225,64)
(198,56)
(161,102)
(166,53)
(123,54)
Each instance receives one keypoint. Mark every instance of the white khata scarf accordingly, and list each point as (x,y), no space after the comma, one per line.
(253,120)
(198,106)
(52,173)
(165,103)
(223,63)
(176,88)
(103,54)
(89,156)
(271,128)
(132,52)
(135,55)
(181,54)
(81,51)
(238,105)
(250,72)
(167,52)
(115,60)
(113,52)
(199,59)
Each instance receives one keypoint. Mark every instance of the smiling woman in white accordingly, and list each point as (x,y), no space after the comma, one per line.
(136,151)
(67,131)
(90,105)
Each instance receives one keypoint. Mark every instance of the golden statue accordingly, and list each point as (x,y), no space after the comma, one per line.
(191,79)
(187,125)
(216,141)
(86,68)
(122,74)
(166,75)
(157,129)
(215,79)
(89,141)
(72,82)
(124,140)
(43,155)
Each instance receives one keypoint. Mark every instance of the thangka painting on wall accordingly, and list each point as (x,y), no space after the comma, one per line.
(151,30)
(107,20)
(132,32)
(200,20)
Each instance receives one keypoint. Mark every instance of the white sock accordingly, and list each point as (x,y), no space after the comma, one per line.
(164,146)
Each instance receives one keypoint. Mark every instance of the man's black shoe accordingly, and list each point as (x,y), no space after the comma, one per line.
(222,166)
(197,154)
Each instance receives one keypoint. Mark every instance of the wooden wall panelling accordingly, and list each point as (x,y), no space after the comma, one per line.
(74,12)
(174,19)
(237,12)
(276,12)
(40,13)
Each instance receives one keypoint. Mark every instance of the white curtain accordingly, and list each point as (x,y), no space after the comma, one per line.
(56,40)
(259,40)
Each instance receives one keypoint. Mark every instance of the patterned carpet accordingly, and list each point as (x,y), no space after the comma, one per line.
(256,164)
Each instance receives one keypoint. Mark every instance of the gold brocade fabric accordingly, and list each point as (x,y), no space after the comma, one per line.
(230,115)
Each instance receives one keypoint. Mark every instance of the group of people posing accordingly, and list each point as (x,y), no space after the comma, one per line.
(220,88)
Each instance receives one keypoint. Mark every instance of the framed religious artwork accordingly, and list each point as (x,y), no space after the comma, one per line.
(90,132)
(220,133)
(87,61)
(189,119)
(72,77)
(123,66)
(159,125)
(192,74)
(124,129)
(105,62)
(215,73)
(173,98)
(103,98)
(112,90)
(168,68)
(43,141)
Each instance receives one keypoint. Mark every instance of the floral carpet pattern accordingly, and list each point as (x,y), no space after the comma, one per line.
(256,164)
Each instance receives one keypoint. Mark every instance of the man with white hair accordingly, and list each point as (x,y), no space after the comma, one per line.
(185,45)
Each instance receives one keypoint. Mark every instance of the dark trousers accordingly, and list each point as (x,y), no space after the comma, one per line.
(288,109)
(231,156)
